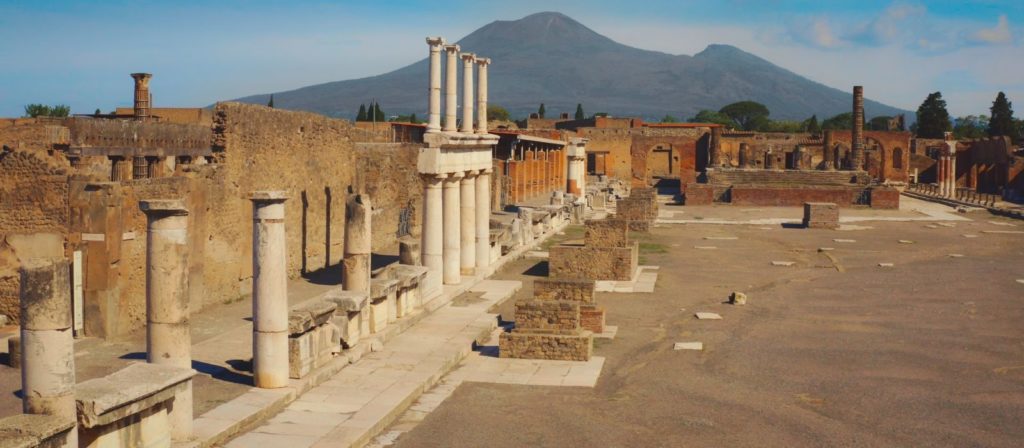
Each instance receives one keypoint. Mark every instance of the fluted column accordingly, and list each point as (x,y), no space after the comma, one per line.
(168,337)
(451,87)
(452,234)
(467,93)
(481,95)
(483,220)
(467,218)
(434,98)
(432,237)
(269,291)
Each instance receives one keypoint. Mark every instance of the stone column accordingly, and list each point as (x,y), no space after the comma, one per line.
(358,239)
(744,155)
(452,233)
(168,340)
(827,153)
(47,343)
(798,154)
(434,99)
(467,93)
(483,221)
(857,154)
(269,291)
(481,95)
(573,185)
(715,149)
(142,98)
(467,218)
(433,230)
(451,88)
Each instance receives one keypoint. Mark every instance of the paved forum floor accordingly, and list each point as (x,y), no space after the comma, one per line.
(834,350)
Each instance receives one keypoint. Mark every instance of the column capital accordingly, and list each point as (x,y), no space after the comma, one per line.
(456,175)
(433,177)
(483,61)
(487,171)
(435,41)
(269,196)
(472,173)
(452,48)
(163,207)
(468,58)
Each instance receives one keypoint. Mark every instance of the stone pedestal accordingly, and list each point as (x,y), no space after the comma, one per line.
(168,338)
(821,215)
(547,330)
(352,307)
(358,240)
(311,337)
(269,291)
(47,343)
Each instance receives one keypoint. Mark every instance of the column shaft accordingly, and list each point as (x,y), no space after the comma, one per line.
(168,339)
(433,232)
(467,93)
(269,291)
(451,87)
(481,95)
(452,233)
(467,217)
(483,221)
(358,242)
(434,98)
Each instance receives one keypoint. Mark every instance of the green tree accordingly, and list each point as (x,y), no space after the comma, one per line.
(932,117)
(42,110)
(747,115)
(971,126)
(97,113)
(361,116)
(789,126)
(378,115)
(497,113)
(270,103)
(843,121)
(540,111)
(1001,122)
(412,119)
(811,125)
(579,112)
(880,123)
(669,119)
(710,116)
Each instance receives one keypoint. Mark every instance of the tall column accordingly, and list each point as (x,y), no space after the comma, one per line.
(452,233)
(483,221)
(467,219)
(168,340)
(798,157)
(432,235)
(715,150)
(47,343)
(451,88)
(827,151)
(744,155)
(269,291)
(434,98)
(857,155)
(358,239)
(481,94)
(467,93)
(142,97)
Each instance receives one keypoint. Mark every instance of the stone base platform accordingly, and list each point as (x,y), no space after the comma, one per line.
(564,346)
(599,263)
(821,215)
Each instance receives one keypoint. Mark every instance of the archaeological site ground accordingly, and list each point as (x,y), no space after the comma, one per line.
(243,275)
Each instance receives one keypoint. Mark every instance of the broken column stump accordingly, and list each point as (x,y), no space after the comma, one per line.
(821,215)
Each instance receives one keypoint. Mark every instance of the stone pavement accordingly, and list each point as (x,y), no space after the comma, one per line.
(911,209)
(361,400)
(644,280)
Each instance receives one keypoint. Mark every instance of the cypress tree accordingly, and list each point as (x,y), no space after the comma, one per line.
(378,115)
(579,112)
(270,103)
(412,119)
(812,125)
(540,111)
(361,116)
(933,118)
(1001,122)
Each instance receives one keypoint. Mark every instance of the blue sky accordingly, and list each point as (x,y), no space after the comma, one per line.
(81,52)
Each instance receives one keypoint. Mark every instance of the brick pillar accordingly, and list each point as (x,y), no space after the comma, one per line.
(857,154)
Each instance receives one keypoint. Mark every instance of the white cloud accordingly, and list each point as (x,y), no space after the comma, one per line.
(1000,34)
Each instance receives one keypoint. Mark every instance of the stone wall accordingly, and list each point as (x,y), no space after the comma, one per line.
(567,347)
(596,263)
(578,290)
(551,315)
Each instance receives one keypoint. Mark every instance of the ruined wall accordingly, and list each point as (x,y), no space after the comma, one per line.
(33,133)
(984,164)
(682,144)
(33,215)
(388,173)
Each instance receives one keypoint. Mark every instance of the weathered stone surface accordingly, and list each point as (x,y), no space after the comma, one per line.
(139,386)
(14,352)
(45,295)
(555,315)
(409,251)
(708,316)
(688,346)
(578,346)
(579,290)
(738,298)
(821,215)
(592,318)
(381,288)
(607,233)
(595,263)
(34,431)
(347,301)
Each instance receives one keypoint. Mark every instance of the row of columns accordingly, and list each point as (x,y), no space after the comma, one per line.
(536,173)
(456,223)
(469,99)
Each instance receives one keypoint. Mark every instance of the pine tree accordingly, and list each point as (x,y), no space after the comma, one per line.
(361,116)
(579,112)
(270,103)
(932,117)
(1001,122)
(540,112)
(97,113)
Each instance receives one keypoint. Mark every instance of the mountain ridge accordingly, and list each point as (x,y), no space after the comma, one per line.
(550,58)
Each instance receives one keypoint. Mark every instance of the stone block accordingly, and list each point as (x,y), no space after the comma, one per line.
(310,315)
(554,315)
(409,251)
(579,290)
(698,194)
(568,346)
(130,391)
(592,318)
(378,315)
(14,352)
(607,233)
(594,263)
(821,215)
(34,431)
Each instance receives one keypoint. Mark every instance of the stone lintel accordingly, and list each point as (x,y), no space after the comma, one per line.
(269,196)
(128,391)
(167,207)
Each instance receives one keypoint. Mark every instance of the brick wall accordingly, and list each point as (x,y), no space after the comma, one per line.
(595,263)
(607,233)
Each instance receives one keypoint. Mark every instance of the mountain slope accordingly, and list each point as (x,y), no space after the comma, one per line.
(550,58)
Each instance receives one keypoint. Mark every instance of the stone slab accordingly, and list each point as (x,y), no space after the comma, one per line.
(139,386)
(688,346)
(703,315)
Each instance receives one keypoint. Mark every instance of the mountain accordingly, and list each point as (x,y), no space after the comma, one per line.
(550,58)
